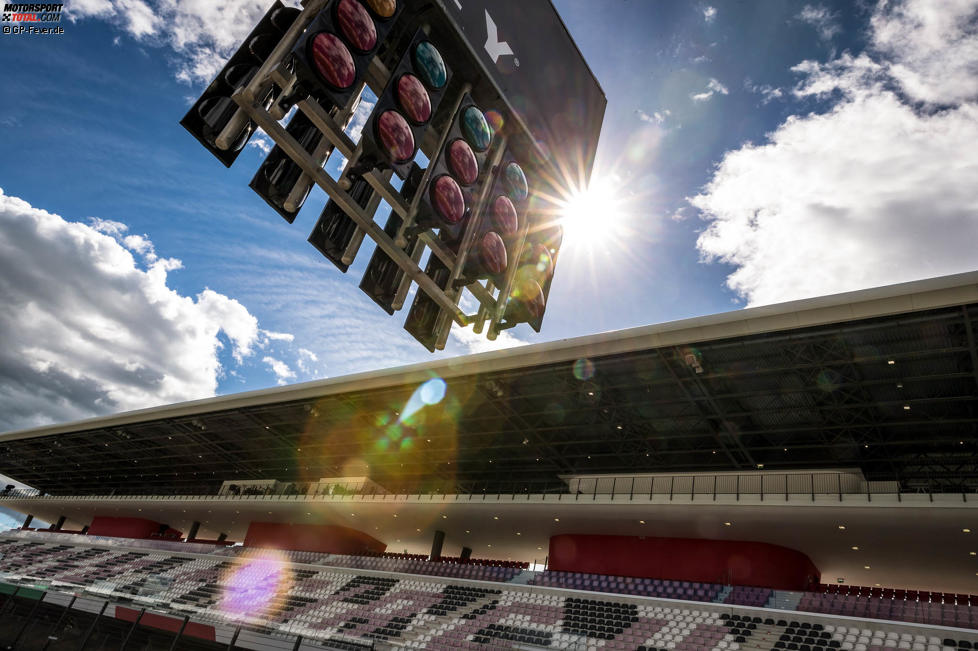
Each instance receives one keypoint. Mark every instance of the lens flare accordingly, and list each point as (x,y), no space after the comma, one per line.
(252,586)
(431,392)
(583,369)
(495,120)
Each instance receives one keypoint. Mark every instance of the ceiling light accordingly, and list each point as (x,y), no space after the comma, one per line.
(467,531)
(444,517)
(556,519)
(865,567)
(641,521)
(891,362)
(518,533)
(855,548)
(906,407)
(726,524)
(495,517)
(842,527)
(972,553)
(966,530)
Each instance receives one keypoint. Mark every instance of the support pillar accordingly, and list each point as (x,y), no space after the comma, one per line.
(436,545)
(466,553)
(85,529)
(27,521)
(61,523)
(194,528)
(222,537)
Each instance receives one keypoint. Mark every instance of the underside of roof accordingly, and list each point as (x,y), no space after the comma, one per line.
(895,395)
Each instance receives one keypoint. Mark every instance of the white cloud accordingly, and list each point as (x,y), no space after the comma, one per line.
(478,343)
(931,47)
(767,92)
(712,87)
(872,191)
(88,329)
(824,21)
(657,117)
(278,336)
(280,369)
(304,360)
(203,33)
(261,142)
(709,14)
(359,119)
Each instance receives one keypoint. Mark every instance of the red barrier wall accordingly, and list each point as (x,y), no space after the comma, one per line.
(685,559)
(193,629)
(311,538)
(123,527)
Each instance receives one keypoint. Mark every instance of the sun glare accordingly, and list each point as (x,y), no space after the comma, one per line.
(592,216)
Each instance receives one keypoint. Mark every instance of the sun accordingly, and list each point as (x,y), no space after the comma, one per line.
(594,215)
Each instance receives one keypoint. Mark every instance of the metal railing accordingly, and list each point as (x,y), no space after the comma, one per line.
(765,486)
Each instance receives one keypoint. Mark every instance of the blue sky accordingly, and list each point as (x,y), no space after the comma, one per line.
(758,152)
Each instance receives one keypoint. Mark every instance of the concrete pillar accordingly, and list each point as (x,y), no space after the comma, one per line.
(466,553)
(222,537)
(85,529)
(60,523)
(162,529)
(436,545)
(194,528)
(27,521)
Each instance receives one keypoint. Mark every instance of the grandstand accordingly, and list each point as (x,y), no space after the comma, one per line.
(794,476)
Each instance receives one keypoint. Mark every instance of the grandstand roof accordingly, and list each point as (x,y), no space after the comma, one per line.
(884,379)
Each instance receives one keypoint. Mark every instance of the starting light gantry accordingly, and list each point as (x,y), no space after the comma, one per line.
(498,127)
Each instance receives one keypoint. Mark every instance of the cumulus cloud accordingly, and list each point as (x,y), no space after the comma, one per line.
(931,47)
(712,88)
(824,21)
(203,33)
(878,188)
(90,328)
(709,14)
(281,370)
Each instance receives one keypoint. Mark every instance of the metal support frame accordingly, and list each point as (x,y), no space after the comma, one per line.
(253,105)
(52,636)
(91,629)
